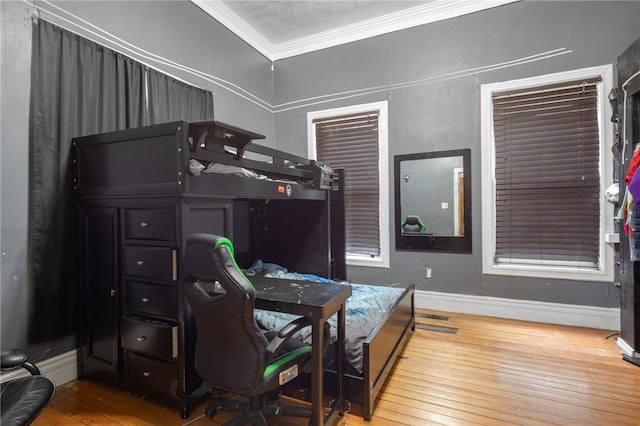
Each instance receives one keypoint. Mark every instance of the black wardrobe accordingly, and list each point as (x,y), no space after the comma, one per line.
(626,102)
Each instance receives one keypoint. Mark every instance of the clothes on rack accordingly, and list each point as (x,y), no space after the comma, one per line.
(628,212)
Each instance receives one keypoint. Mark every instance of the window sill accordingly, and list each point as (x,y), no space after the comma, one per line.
(558,273)
(366,261)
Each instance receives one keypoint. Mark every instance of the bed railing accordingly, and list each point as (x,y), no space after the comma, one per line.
(222,143)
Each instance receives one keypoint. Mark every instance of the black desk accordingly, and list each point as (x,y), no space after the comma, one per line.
(318,302)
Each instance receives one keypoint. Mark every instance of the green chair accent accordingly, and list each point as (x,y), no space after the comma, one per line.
(413,223)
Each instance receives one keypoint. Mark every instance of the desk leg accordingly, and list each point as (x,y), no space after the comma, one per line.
(340,359)
(317,372)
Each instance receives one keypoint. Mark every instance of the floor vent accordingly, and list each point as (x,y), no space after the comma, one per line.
(432,316)
(437,328)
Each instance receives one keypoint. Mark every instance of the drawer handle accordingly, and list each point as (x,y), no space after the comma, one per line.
(144,224)
(147,374)
(145,299)
(141,338)
(140,262)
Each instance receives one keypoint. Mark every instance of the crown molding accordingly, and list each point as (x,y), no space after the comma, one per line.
(434,11)
(227,17)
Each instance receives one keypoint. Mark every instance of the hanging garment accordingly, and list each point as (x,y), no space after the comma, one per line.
(633,166)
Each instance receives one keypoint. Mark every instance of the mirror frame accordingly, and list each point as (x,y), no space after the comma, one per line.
(426,242)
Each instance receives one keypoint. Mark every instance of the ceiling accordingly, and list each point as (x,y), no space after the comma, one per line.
(283,28)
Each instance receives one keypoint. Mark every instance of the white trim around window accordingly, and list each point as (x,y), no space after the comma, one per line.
(606,268)
(381,261)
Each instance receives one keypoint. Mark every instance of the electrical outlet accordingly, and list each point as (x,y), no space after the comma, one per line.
(427,272)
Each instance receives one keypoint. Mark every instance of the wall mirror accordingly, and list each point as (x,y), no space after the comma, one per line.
(433,201)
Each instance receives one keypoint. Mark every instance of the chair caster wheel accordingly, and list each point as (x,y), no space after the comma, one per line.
(210,411)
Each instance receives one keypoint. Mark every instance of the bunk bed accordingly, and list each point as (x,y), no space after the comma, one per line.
(139,192)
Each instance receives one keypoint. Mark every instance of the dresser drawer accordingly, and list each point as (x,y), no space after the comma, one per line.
(152,262)
(151,299)
(152,373)
(150,337)
(150,224)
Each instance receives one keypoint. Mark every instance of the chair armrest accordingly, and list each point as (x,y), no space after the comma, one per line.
(294,326)
(283,335)
(15,358)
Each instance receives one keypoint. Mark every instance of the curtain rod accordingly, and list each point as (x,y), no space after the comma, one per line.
(137,53)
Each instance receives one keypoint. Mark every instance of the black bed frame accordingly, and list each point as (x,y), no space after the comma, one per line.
(381,350)
(134,196)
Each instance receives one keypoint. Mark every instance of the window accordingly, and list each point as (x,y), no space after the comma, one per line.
(355,138)
(546,164)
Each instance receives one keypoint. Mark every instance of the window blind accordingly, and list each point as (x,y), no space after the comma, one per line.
(547,154)
(351,142)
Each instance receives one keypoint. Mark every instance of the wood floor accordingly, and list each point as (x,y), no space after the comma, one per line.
(455,370)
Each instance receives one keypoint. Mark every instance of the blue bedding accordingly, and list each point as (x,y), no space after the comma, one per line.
(367,306)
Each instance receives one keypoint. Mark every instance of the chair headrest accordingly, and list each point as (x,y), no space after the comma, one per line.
(201,248)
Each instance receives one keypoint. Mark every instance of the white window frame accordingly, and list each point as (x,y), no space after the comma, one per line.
(354,259)
(606,251)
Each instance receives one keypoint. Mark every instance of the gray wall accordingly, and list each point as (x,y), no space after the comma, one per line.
(14,156)
(179,32)
(431,77)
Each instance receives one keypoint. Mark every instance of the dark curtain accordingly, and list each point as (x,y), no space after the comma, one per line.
(170,100)
(80,88)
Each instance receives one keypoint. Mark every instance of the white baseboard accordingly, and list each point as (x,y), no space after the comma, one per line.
(527,310)
(61,368)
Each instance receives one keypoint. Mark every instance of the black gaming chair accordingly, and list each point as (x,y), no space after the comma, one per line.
(232,354)
(23,398)
(413,223)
